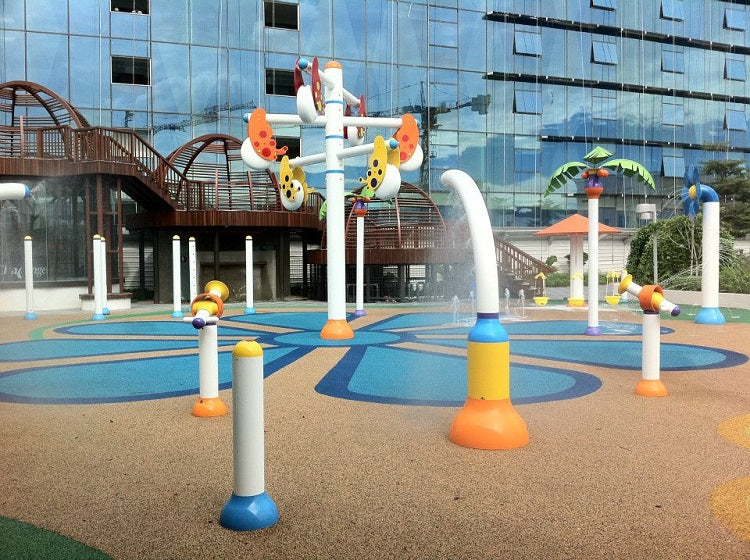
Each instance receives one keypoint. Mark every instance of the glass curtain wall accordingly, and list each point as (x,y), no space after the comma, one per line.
(506,90)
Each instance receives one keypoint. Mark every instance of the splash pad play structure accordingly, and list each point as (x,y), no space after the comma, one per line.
(487,419)
(206,309)
(695,196)
(323,103)
(596,167)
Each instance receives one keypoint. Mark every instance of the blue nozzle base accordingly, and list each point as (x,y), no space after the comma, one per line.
(249,513)
(710,316)
(593,331)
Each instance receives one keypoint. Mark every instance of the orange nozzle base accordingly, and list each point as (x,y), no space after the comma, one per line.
(337,329)
(489,425)
(651,388)
(208,407)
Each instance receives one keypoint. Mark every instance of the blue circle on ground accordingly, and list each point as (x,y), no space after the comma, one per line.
(376,366)
(313,339)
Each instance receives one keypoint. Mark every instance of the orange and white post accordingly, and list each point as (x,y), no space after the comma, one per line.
(652,300)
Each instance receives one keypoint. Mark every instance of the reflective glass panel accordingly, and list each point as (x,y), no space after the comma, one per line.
(47,61)
(672,9)
(734,69)
(171,18)
(171,88)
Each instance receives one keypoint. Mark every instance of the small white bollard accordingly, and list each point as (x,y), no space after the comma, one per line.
(28,276)
(250,507)
(103,275)
(249,304)
(176,279)
(97,254)
(192,268)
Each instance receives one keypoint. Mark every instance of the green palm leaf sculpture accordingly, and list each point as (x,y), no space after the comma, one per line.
(595,168)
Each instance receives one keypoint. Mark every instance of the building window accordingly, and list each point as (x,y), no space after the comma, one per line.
(735,19)
(291,142)
(528,101)
(734,69)
(527,161)
(526,43)
(279,82)
(673,111)
(131,6)
(673,61)
(281,15)
(673,166)
(735,120)
(672,9)
(604,105)
(603,53)
(604,4)
(130,70)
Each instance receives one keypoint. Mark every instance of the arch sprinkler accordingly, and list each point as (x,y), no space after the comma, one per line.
(693,194)
(487,419)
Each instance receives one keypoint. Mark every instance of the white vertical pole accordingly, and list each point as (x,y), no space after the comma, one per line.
(249,303)
(593,316)
(208,361)
(576,270)
(193,268)
(250,507)
(103,276)
(28,276)
(360,281)
(651,359)
(336,327)
(710,312)
(97,254)
(176,280)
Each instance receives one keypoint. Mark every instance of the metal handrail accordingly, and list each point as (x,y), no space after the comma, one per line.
(518,263)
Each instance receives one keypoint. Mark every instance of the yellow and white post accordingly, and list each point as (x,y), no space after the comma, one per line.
(250,507)
(487,419)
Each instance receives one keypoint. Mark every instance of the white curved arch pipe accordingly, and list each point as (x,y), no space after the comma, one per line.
(485,261)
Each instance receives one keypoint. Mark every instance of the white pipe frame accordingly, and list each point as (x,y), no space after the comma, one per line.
(334,121)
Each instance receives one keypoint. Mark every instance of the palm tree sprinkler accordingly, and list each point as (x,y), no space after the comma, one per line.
(597,166)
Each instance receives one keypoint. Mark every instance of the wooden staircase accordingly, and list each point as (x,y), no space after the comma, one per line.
(516,269)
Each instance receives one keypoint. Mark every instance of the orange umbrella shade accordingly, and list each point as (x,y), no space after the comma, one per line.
(574,225)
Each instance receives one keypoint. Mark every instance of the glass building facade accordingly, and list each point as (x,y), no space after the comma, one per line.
(506,90)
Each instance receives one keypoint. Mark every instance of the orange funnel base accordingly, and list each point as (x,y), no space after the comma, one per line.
(337,329)
(208,407)
(651,388)
(489,425)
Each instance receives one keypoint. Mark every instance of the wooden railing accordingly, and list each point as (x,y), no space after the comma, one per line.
(521,265)
(98,144)
(129,152)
